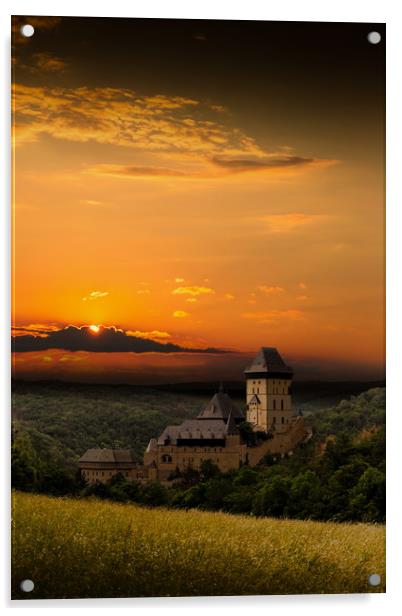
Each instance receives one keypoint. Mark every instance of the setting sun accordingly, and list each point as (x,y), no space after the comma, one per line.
(94,329)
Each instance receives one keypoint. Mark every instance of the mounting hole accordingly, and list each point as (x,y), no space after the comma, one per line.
(27,30)
(27,585)
(374,579)
(374,37)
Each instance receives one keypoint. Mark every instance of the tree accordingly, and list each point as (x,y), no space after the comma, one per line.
(367,498)
(246,477)
(305,499)
(247,433)
(208,469)
(272,498)
(154,494)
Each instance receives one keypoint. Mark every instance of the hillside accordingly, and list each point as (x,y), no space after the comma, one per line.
(87,548)
(54,424)
(338,476)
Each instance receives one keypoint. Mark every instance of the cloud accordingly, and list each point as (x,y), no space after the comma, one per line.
(95,295)
(240,165)
(274,316)
(107,340)
(229,296)
(47,63)
(91,202)
(191,300)
(156,334)
(302,285)
(140,171)
(143,291)
(208,168)
(117,116)
(197,135)
(193,291)
(285,223)
(270,290)
(179,279)
(301,297)
(180,314)
(39,329)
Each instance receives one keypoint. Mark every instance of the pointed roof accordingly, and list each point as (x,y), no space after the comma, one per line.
(268,361)
(152,445)
(220,407)
(254,399)
(123,456)
(231,427)
(193,430)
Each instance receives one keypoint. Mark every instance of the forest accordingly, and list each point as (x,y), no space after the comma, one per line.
(339,475)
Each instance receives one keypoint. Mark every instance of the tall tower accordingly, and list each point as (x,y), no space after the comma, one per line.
(269,394)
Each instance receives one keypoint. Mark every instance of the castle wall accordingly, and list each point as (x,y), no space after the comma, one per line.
(281,443)
(171,457)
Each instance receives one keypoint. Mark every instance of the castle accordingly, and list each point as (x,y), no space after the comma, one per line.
(216,433)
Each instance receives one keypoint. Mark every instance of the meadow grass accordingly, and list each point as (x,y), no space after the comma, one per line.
(90,548)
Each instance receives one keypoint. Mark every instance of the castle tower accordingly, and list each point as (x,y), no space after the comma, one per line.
(269,395)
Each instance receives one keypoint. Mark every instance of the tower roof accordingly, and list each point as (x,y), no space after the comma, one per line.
(268,361)
(220,407)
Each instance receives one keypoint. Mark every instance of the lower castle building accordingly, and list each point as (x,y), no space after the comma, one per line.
(215,433)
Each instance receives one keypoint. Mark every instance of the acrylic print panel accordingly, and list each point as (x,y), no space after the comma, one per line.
(198,326)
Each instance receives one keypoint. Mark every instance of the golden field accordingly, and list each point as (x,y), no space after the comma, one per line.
(75,548)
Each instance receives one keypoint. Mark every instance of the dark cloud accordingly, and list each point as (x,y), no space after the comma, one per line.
(249,164)
(107,340)
(138,170)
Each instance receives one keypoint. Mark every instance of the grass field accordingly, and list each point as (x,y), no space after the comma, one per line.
(88,548)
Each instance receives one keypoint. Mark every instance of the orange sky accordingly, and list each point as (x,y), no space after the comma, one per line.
(177,217)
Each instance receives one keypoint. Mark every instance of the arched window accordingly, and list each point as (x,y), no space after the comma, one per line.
(281,405)
(166,458)
(274,405)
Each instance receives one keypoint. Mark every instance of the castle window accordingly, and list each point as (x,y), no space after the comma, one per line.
(281,405)
(274,405)
(283,420)
(274,420)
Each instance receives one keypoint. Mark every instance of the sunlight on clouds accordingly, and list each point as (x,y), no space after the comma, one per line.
(274,316)
(180,314)
(153,335)
(193,290)
(95,295)
(284,223)
(270,290)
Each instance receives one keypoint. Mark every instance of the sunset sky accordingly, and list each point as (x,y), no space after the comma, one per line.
(195,190)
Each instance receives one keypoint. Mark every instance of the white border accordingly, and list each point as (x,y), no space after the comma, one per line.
(287,10)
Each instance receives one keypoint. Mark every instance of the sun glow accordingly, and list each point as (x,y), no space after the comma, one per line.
(94,329)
